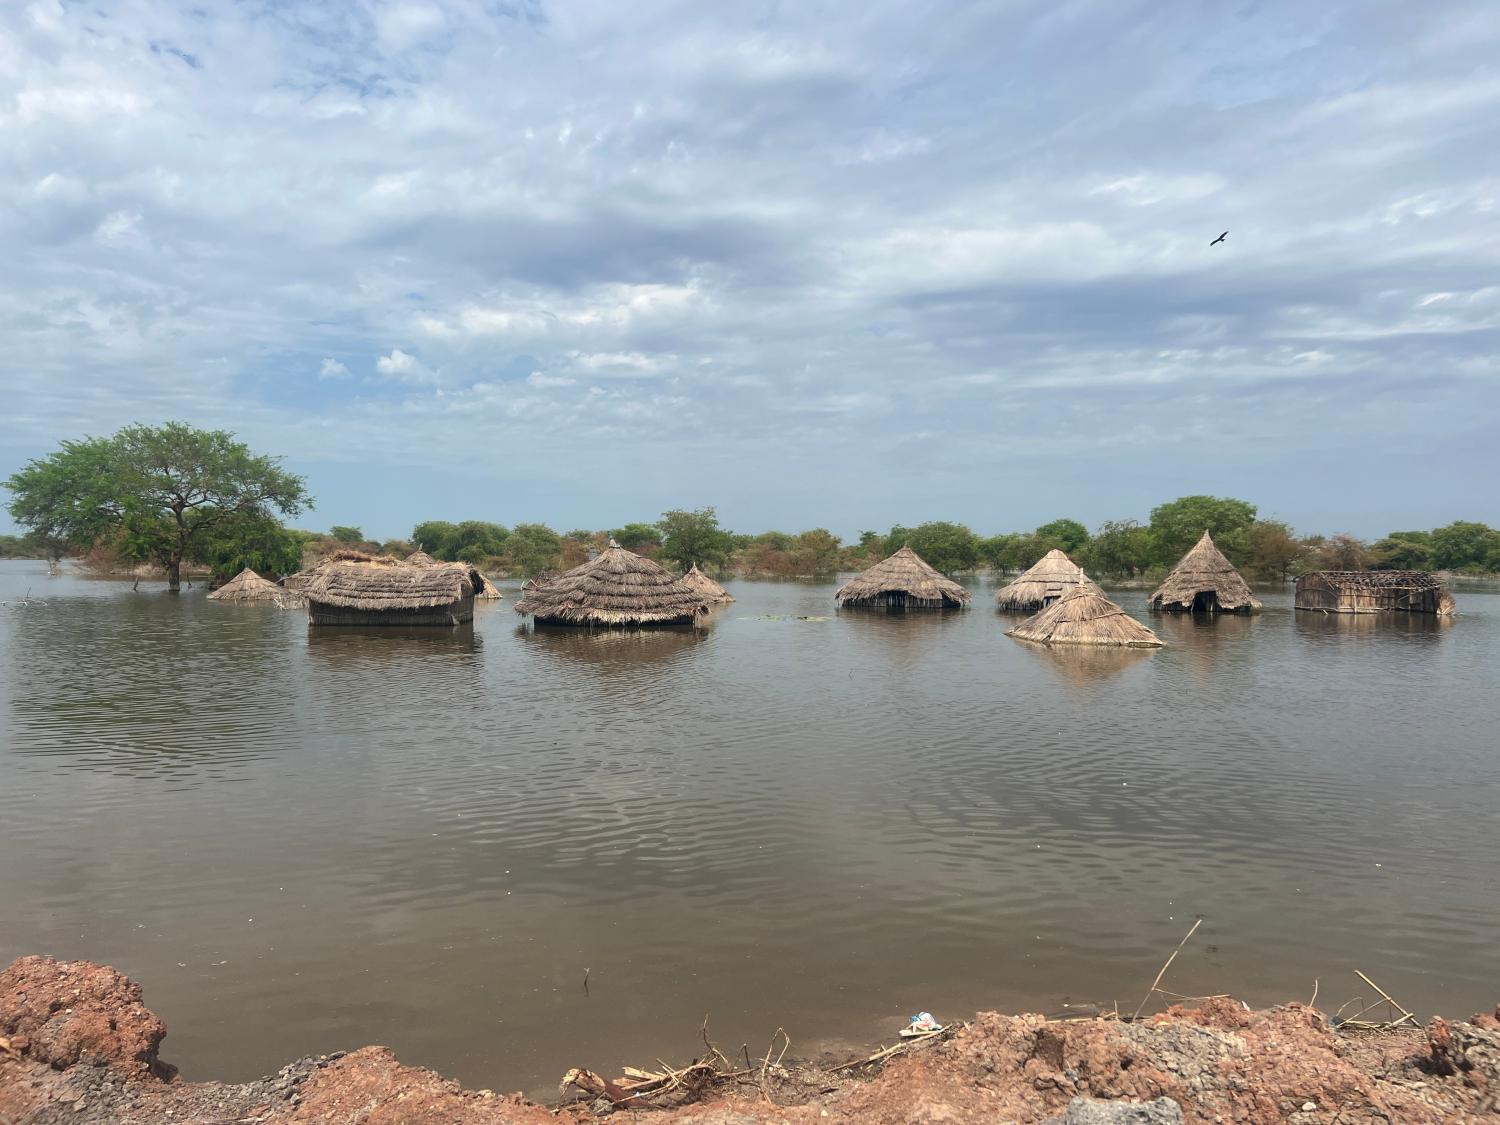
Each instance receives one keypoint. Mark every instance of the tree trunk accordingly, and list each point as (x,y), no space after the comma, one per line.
(174,574)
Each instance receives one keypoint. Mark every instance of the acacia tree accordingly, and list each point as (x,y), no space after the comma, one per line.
(160,493)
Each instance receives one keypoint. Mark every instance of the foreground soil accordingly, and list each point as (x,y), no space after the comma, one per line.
(78,1045)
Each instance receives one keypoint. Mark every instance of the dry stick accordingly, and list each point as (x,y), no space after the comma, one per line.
(1165,967)
(1405,1015)
(1313,1002)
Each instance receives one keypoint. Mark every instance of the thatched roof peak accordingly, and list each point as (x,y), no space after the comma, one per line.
(617,587)
(904,574)
(247,586)
(1205,575)
(420,557)
(1085,617)
(697,580)
(1045,581)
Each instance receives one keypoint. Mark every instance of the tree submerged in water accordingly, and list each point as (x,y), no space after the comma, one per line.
(162,494)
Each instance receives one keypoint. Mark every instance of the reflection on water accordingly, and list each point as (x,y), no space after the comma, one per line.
(1086,665)
(1318,623)
(302,840)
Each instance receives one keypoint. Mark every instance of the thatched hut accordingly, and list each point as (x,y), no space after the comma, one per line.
(903,581)
(1373,591)
(1047,580)
(483,588)
(1085,617)
(300,581)
(384,591)
(247,586)
(1204,581)
(695,579)
(616,588)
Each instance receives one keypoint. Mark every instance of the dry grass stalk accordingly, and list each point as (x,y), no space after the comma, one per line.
(1157,982)
(903,581)
(1050,578)
(618,587)
(1085,617)
(1204,579)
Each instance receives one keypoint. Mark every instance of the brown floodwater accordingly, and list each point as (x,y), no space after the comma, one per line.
(302,841)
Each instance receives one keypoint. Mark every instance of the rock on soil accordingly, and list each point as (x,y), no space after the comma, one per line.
(78,1045)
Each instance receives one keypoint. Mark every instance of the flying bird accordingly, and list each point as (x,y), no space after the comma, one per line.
(1220,239)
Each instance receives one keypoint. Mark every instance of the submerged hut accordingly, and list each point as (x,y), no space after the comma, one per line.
(1373,591)
(1050,578)
(695,579)
(1085,616)
(384,591)
(903,581)
(484,588)
(247,586)
(300,581)
(1204,581)
(617,588)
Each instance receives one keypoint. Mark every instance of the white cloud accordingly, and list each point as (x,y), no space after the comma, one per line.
(404,367)
(542,379)
(332,369)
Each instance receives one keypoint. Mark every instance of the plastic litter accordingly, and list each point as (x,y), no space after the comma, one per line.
(923,1023)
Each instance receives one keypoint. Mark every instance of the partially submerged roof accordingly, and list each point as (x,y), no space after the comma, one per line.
(1085,617)
(1048,579)
(1376,579)
(1204,570)
(384,584)
(905,572)
(483,587)
(247,586)
(695,579)
(618,587)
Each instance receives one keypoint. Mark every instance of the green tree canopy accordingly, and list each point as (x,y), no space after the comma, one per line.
(1070,535)
(693,537)
(533,548)
(1177,525)
(635,536)
(1402,550)
(437,538)
(157,492)
(252,540)
(946,546)
(1273,549)
(349,536)
(1464,545)
(1120,548)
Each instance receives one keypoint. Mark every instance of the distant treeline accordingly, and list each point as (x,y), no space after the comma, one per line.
(1265,549)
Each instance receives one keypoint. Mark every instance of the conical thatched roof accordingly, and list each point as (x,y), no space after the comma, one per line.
(1084,617)
(247,586)
(695,579)
(1052,576)
(904,578)
(618,587)
(1205,570)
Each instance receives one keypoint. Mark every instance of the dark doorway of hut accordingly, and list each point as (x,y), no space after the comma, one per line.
(1205,601)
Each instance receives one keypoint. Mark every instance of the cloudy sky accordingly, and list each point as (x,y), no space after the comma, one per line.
(815,263)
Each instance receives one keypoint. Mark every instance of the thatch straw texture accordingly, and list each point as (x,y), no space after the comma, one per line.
(1050,578)
(1084,617)
(1204,579)
(247,586)
(695,579)
(300,581)
(484,588)
(379,591)
(903,581)
(618,587)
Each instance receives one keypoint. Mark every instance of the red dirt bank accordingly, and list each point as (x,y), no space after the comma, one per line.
(78,1045)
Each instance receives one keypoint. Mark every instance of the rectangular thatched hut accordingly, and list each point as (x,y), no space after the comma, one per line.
(1373,591)
(383,591)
